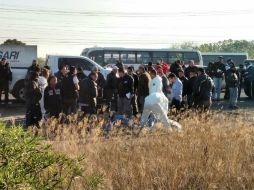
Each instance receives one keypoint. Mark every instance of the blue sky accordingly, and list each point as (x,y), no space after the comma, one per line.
(68,26)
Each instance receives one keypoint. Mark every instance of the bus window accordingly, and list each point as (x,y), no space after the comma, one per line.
(190,56)
(143,57)
(174,56)
(128,57)
(160,55)
(97,56)
(111,57)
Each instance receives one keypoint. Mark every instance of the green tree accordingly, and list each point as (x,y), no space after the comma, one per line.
(13,42)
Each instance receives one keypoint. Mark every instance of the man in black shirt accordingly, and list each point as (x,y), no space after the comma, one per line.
(33,96)
(88,94)
(130,72)
(125,93)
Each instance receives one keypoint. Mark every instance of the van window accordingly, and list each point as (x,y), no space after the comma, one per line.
(76,62)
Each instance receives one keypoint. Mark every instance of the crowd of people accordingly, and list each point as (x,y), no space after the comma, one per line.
(125,90)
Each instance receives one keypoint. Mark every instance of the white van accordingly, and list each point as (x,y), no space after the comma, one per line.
(55,61)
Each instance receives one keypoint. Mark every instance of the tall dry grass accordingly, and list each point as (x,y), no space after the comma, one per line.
(213,151)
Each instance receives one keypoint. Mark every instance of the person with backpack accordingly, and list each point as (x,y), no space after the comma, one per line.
(202,90)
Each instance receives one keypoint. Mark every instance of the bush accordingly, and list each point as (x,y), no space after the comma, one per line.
(27,162)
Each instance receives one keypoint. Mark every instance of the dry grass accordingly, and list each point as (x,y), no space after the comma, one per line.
(213,151)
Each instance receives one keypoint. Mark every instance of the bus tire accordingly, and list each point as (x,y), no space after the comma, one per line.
(19,91)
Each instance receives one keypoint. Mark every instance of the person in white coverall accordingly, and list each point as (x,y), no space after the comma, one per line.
(156,103)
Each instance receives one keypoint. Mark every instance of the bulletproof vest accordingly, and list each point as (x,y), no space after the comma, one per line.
(68,88)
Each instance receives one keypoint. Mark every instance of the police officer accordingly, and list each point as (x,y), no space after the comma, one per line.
(61,74)
(33,96)
(125,93)
(111,89)
(5,78)
(70,88)
(53,98)
(88,94)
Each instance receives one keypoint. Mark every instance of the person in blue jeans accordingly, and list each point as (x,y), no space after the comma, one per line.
(218,71)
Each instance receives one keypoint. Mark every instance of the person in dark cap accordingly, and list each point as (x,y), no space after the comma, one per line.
(202,90)
(5,78)
(219,72)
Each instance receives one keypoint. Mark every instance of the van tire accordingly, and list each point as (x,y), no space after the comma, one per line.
(19,91)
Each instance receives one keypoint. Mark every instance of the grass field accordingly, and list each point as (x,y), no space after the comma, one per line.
(213,151)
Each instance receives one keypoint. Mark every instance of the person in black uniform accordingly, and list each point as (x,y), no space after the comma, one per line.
(33,96)
(101,82)
(125,93)
(70,88)
(5,78)
(53,98)
(61,74)
(134,102)
(88,94)
(111,89)
(184,80)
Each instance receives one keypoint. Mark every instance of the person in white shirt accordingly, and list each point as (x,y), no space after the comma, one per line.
(43,83)
(176,91)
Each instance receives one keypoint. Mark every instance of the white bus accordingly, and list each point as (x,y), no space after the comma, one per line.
(107,57)
(238,58)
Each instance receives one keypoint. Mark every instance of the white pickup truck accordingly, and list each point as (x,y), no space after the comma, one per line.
(55,61)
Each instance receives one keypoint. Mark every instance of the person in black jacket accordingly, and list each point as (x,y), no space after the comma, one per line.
(125,93)
(81,75)
(101,82)
(191,83)
(130,72)
(111,89)
(5,78)
(175,66)
(88,94)
(53,98)
(70,88)
(202,90)
(143,87)
(184,80)
(33,96)
(218,74)
(61,74)
(190,68)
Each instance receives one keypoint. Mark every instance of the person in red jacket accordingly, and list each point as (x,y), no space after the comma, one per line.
(164,66)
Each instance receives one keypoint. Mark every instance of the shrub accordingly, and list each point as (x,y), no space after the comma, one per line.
(27,162)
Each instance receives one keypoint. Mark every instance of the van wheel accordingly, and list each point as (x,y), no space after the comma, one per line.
(19,91)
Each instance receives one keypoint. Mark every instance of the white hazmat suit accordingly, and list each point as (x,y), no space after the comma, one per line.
(156,103)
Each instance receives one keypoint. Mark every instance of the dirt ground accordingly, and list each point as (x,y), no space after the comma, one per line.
(16,110)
